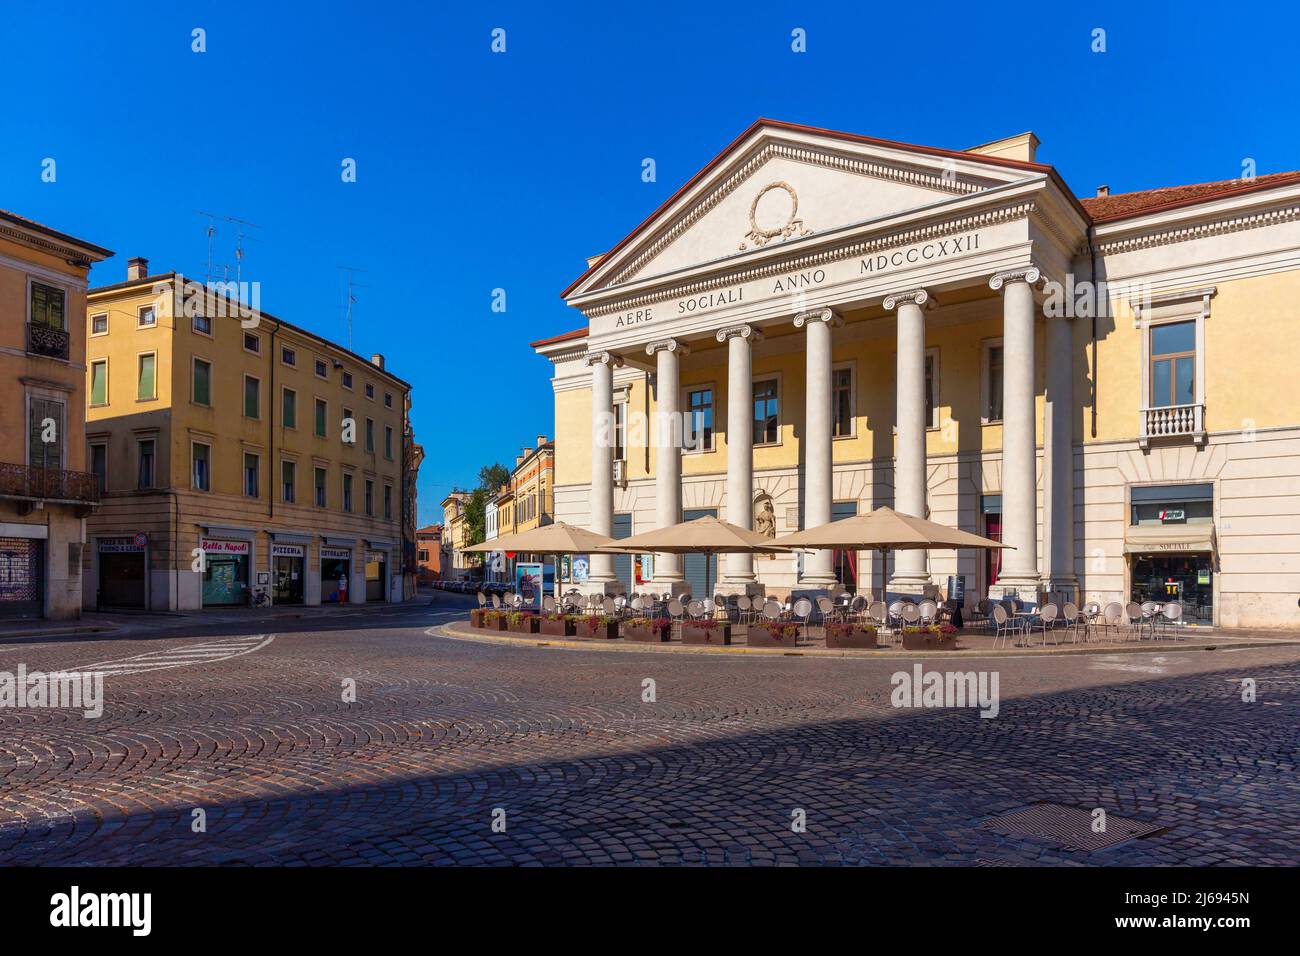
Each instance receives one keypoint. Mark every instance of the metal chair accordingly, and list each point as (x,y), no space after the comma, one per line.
(548,604)
(1045,620)
(803,609)
(743,608)
(826,607)
(482,599)
(929,610)
(858,608)
(1151,617)
(910,614)
(1172,613)
(1005,625)
(496,601)
(1075,622)
(1133,614)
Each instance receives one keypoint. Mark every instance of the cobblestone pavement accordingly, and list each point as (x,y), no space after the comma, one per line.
(443,733)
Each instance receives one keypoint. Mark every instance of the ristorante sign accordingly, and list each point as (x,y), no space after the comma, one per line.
(792,284)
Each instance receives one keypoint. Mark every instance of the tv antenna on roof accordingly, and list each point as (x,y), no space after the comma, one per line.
(241,235)
(351,299)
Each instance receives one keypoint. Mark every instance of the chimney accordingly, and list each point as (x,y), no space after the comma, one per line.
(541,440)
(1103,191)
(377,360)
(519,460)
(525,452)
(137,268)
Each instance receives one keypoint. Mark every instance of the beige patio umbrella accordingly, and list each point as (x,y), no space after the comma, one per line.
(707,536)
(553,539)
(885,530)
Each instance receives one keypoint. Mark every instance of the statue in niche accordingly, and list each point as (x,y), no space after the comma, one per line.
(765,516)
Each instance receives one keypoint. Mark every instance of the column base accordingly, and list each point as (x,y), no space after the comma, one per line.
(911,586)
(1026,588)
(746,586)
(1061,589)
(674,586)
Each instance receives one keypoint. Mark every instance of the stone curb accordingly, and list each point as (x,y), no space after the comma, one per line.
(55,632)
(465,634)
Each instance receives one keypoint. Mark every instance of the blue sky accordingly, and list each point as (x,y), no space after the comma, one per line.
(479,171)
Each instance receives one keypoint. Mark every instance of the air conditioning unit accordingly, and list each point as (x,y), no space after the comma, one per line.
(620,473)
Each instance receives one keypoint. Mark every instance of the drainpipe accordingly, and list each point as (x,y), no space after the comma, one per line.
(1092,255)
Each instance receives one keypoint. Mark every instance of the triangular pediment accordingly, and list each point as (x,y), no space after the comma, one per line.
(779,184)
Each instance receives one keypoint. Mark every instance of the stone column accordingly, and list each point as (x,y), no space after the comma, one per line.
(818,570)
(601,502)
(1058,459)
(911,573)
(1019,473)
(669,432)
(740,442)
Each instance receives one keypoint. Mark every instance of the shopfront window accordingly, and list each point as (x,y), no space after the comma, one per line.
(1171,547)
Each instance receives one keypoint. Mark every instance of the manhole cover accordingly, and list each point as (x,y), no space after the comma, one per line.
(1069,827)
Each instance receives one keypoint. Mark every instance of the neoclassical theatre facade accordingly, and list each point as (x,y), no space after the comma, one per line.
(836,322)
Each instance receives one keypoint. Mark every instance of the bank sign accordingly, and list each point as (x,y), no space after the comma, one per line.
(793,284)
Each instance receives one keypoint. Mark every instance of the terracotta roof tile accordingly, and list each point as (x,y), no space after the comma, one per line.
(1123,205)
(556,339)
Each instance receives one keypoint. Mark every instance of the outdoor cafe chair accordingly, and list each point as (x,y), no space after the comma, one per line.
(548,604)
(608,605)
(695,608)
(1044,621)
(910,614)
(896,612)
(1133,613)
(743,608)
(929,610)
(496,600)
(1005,625)
(1151,617)
(1172,614)
(858,607)
(482,599)
(803,609)
(826,607)
(1112,616)
(1074,621)
(772,610)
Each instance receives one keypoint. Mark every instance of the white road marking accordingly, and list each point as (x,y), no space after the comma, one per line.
(206,653)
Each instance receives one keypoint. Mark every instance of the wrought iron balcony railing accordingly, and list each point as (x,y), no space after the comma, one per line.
(28,483)
(1173,421)
(45,340)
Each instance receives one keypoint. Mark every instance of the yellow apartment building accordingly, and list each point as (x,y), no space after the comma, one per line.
(457,563)
(238,454)
(827,322)
(46,491)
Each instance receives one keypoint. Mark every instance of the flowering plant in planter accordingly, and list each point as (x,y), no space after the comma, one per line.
(523,622)
(494,620)
(599,625)
(647,629)
(554,624)
(851,634)
(706,631)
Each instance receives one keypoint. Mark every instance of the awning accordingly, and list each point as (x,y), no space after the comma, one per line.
(1168,537)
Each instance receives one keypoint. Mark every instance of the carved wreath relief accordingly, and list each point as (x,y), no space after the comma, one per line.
(778,218)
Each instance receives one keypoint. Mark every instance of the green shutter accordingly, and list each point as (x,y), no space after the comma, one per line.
(320,419)
(251,402)
(99,383)
(289,418)
(202,383)
(147,364)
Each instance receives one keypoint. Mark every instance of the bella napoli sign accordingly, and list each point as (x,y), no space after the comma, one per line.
(793,283)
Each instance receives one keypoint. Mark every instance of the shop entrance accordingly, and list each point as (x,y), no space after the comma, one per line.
(1184,577)
(335,575)
(21,575)
(287,573)
(376,576)
(121,573)
(225,573)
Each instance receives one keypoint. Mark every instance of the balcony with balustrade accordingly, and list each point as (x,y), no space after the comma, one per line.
(1173,422)
(48,341)
(35,487)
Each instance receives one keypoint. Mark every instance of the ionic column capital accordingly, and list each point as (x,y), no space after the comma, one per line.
(612,359)
(668,345)
(1029,274)
(827,315)
(740,331)
(920,297)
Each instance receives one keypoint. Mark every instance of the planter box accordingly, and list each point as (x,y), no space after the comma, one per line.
(760,636)
(861,640)
(560,628)
(527,626)
(476,618)
(719,634)
(929,642)
(603,632)
(498,625)
(646,635)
